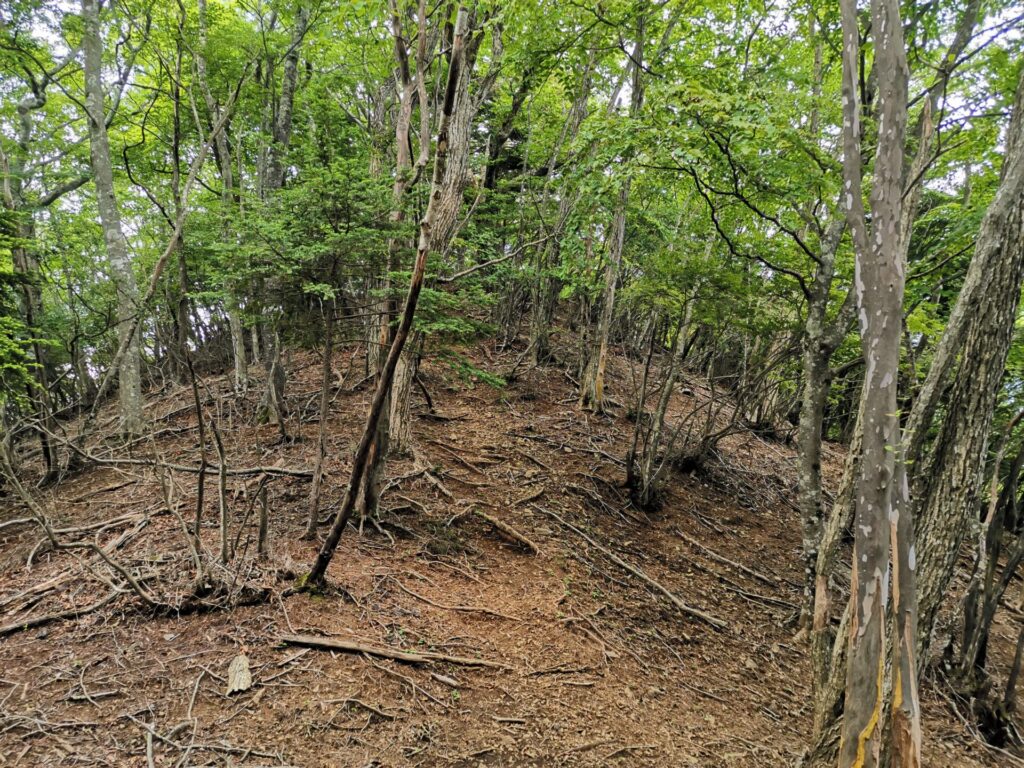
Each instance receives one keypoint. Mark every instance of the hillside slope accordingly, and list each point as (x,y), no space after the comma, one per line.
(593,665)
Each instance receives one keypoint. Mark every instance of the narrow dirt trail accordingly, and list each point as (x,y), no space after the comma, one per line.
(597,667)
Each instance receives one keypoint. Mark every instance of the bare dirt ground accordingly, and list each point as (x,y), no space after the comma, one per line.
(593,667)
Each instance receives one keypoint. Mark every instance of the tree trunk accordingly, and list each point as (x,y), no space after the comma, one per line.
(648,492)
(222,150)
(881,496)
(325,399)
(592,383)
(129,371)
(982,324)
(281,133)
(318,572)
(412,89)
(401,397)
(821,338)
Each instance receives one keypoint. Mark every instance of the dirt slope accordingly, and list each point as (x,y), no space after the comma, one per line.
(598,669)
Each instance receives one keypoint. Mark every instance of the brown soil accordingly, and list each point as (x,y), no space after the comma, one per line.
(600,670)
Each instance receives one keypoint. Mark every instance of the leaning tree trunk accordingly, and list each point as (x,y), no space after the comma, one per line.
(129,370)
(318,572)
(985,314)
(881,496)
(413,89)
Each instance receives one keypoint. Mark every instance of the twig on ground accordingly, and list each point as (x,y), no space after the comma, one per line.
(676,601)
(505,528)
(395,654)
(464,608)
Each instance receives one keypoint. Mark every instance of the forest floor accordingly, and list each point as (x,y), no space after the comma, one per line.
(593,666)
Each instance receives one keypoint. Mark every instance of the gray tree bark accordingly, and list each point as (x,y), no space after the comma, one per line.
(881,496)
(318,572)
(129,371)
(980,331)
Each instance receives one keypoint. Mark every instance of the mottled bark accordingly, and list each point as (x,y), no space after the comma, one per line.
(881,496)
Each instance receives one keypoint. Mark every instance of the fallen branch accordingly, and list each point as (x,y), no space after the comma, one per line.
(363,705)
(71,613)
(18,521)
(676,601)
(355,646)
(726,561)
(464,608)
(531,497)
(507,529)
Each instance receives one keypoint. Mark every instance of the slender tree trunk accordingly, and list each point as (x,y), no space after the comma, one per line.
(319,570)
(821,338)
(544,289)
(592,383)
(413,89)
(325,399)
(828,648)
(181,335)
(632,481)
(881,496)
(222,150)
(32,312)
(647,493)
(129,371)
(281,133)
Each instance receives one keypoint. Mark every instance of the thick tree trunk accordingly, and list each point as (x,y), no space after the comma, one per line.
(129,371)
(401,397)
(982,325)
